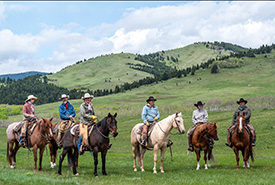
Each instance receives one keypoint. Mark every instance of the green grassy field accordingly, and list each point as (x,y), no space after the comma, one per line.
(178,170)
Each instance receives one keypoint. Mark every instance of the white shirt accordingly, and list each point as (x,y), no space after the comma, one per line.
(200,116)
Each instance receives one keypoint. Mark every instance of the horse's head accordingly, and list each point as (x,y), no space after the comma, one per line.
(241,122)
(178,123)
(47,126)
(111,123)
(212,130)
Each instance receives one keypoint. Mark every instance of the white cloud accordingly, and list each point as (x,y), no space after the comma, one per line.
(144,30)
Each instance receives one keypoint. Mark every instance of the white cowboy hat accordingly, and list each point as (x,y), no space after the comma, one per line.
(64,96)
(30,97)
(87,95)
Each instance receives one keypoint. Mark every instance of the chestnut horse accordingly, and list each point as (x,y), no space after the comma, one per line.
(98,142)
(158,139)
(53,148)
(38,139)
(200,141)
(241,141)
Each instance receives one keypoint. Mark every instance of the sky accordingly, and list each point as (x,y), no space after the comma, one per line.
(48,36)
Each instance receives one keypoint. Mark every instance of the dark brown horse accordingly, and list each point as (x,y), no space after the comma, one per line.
(38,139)
(200,141)
(98,142)
(53,148)
(241,141)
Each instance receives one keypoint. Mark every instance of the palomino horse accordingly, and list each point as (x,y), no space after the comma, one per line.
(200,141)
(98,142)
(241,141)
(158,139)
(53,149)
(38,139)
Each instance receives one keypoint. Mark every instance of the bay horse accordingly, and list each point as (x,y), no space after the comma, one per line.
(38,139)
(200,141)
(98,142)
(241,141)
(53,149)
(158,139)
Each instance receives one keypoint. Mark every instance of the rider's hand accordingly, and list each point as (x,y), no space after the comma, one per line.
(71,117)
(147,123)
(156,118)
(93,117)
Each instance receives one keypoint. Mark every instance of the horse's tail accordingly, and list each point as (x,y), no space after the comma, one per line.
(8,149)
(212,158)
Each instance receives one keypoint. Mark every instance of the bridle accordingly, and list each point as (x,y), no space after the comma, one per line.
(172,123)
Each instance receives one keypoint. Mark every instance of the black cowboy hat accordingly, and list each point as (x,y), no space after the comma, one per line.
(242,100)
(199,103)
(151,98)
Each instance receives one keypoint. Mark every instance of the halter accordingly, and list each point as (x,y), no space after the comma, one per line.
(172,123)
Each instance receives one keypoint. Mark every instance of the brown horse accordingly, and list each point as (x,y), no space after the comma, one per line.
(38,139)
(201,139)
(98,142)
(53,148)
(241,141)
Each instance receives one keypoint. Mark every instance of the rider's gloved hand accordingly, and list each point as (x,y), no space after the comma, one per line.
(156,119)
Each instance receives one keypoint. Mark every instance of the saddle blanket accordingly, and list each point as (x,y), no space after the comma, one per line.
(75,129)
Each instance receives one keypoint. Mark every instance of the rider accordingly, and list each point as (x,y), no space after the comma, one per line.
(66,113)
(150,113)
(87,115)
(200,116)
(247,113)
(28,116)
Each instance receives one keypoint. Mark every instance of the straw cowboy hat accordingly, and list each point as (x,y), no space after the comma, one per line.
(151,98)
(87,95)
(64,96)
(199,103)
(30,97)
(242,100)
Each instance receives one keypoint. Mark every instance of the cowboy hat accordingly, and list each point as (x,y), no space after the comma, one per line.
(30,97)
(64,96)
(87,95)
(242,100)
(151,98)
(199,103)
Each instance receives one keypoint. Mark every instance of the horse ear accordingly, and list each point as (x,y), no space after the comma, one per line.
(176,114)
(43,119)
(51,119)
(115,115)
(109,115)
(215,122)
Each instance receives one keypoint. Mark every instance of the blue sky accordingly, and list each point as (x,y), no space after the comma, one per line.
(48,36)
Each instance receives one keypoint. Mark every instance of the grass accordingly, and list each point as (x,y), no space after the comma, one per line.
(178,170)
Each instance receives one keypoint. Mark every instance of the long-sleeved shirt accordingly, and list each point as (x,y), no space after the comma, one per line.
(149,113)
(86,114)
(65,113)
(245,110)
(28,112)
(200,115)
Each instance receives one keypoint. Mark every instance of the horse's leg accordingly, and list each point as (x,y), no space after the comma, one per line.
(205,159)
(16,148)
(41,151)
(162,158)
(237,156)
(156,148)
(52,154)
(141,159)
(76,157)
(10,153)
(61,158)
(198,154)
(71,158)
(103,158)
(134,149)
(246,156)
(35,156)
(95,154)
(209,157)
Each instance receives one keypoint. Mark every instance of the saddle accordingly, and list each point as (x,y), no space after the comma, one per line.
(17,128)
(75,129)
(140,129)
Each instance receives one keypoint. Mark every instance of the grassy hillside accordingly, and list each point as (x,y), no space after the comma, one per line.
(103,72)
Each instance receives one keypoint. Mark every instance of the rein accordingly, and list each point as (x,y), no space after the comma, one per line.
(169,132)
(107,137)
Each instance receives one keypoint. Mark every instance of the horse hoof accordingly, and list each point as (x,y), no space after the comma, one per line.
(11,166)
(155,172)
(197,168)
(135,170)
(77,174)
(142,170)
(161,171)
(96,176)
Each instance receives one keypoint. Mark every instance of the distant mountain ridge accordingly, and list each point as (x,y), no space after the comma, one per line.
(17,76)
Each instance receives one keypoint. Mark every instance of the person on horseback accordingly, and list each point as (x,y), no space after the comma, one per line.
(28,116)
(200,116)
(66,113)
(150,114)
(87,115)
(247,112)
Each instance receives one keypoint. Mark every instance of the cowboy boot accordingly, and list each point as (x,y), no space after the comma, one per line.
(144,135)
(253,143)
(80,151)
(228,143)
(190,148)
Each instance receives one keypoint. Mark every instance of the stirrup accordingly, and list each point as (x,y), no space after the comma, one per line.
(170,143)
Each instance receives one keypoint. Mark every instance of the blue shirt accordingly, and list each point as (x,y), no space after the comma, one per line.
(149,113)
(64,114)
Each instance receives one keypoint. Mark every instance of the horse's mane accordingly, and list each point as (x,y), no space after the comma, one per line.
(102,123)
(169,117)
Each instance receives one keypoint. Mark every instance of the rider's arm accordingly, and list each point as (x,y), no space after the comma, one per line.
(143,114)
(62,113)
(83,113)
(25,114)
(247,114)
(158,115)
(73,111)
(194,118)
(234,117)
(205,117)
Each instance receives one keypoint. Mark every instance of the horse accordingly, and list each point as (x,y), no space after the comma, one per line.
(158,139)
(241,141)
(98,139)
(200,141)
(53,149)
(38,139)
